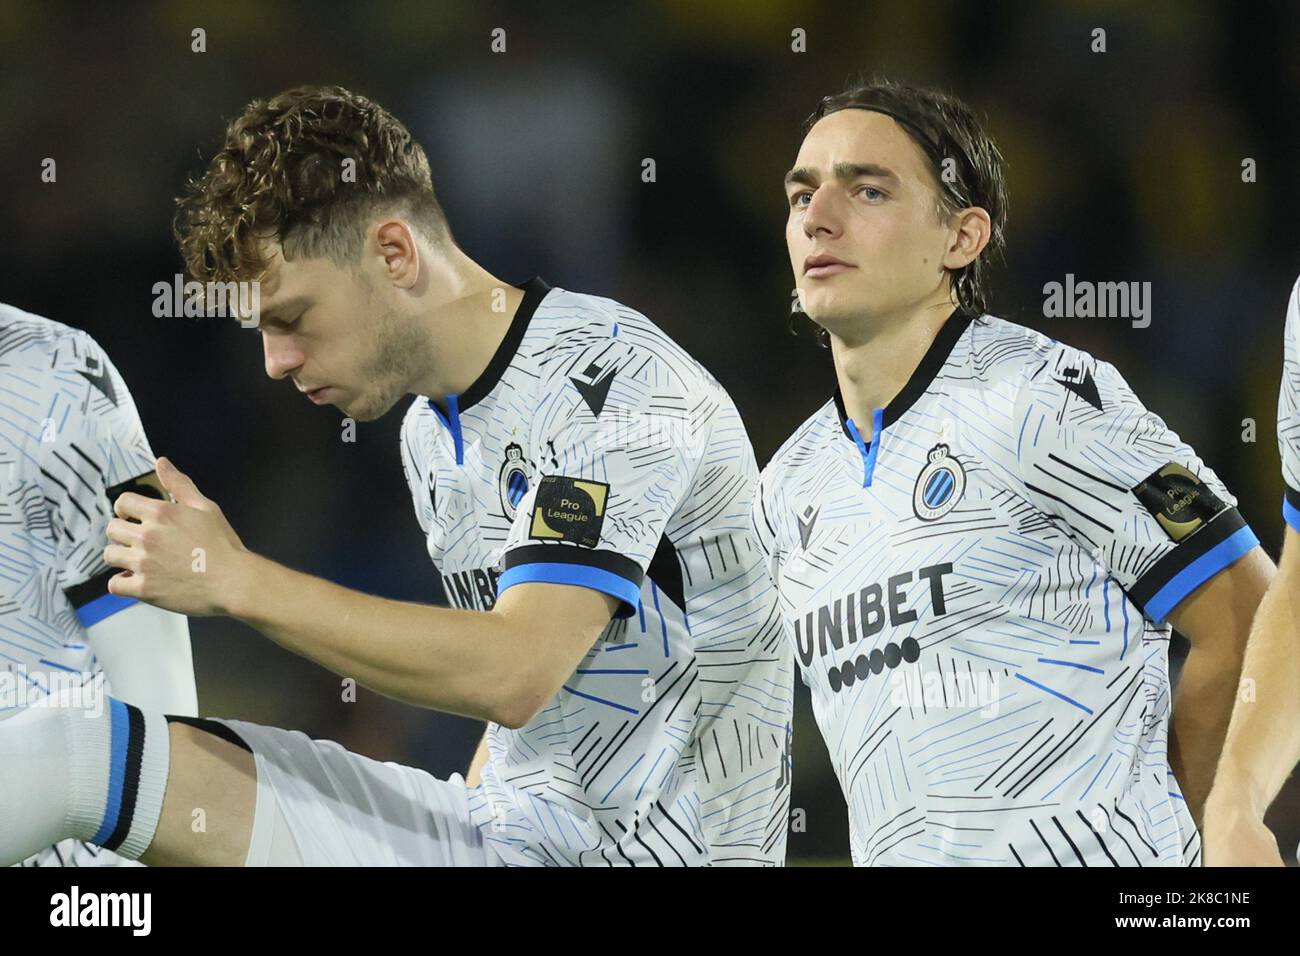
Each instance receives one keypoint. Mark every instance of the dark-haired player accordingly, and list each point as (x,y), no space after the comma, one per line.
(981,541)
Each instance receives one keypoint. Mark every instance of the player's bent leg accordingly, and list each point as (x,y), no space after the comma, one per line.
(100,775)
(219,793)
(208,807)
(64,773)
(319,804)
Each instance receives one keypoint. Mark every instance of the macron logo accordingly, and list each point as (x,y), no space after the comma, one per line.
(134,910)
(1082,384)
(806,522)
(593,386)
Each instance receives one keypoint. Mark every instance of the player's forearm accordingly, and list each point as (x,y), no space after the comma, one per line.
(1217,618)
(1202,711)
(463,662)
(1263,741)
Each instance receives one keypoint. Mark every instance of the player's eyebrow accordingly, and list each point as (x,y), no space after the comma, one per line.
(273,315)
(845,172)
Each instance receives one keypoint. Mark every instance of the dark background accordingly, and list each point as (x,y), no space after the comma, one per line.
(1122,166)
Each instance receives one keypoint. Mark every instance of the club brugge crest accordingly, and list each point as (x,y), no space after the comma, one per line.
(514,480)
(939,485)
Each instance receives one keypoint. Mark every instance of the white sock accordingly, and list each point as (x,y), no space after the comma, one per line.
(71,773)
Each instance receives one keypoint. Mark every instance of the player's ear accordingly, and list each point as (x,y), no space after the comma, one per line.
(401,254)
(972,230)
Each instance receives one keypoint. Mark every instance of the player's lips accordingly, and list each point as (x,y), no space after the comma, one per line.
(823,265)
(317,395)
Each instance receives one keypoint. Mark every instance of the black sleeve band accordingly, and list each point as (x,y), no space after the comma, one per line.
(609,561)
(79,595)
(1223,526)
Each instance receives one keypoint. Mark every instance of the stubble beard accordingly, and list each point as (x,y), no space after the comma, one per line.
(399,351)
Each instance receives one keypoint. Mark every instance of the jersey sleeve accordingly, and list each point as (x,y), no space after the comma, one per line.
(91,447)
(1123,483)
(618,437)
(1288,412)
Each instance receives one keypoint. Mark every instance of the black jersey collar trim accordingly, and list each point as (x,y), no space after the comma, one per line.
(926,372)
(535,289)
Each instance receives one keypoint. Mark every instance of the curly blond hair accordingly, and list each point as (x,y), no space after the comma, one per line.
(307,167)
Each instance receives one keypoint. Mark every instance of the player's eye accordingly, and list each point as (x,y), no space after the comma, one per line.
(870,192)
(797,199)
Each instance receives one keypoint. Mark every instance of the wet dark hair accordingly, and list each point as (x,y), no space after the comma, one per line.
(944,128)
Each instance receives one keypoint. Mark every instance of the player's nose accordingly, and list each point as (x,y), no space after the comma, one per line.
(282,355)
(822,215)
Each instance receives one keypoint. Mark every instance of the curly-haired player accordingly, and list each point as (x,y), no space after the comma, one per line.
(584,488)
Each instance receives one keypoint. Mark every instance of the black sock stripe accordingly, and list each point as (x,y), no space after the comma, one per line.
(213,727)
(131,777)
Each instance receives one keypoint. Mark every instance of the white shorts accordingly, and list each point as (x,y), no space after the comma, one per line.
(319,804)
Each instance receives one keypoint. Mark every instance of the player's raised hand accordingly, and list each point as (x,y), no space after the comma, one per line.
(181,486)
(181,555)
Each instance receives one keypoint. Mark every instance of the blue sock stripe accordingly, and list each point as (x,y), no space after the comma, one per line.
(120,733)
(104,606)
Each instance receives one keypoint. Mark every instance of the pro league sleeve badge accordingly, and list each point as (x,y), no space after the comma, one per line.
(1178,500)
(569,509)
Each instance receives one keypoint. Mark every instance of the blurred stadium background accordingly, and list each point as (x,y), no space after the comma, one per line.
(1123,165)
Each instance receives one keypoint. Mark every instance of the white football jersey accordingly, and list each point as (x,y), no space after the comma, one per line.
(70,442)
(977,596)
(594,452)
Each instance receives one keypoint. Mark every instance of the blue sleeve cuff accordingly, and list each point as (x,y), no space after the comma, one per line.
(581,575)
(1199,571)
(1291,508)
